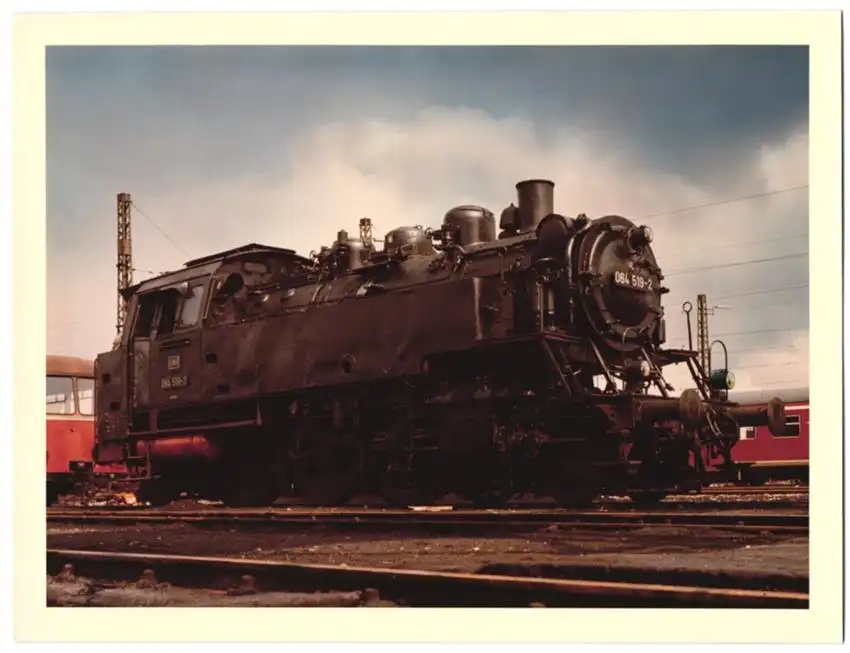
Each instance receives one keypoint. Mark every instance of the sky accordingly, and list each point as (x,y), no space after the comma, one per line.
(222,146)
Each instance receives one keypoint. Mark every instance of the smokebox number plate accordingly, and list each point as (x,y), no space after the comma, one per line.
(168,382)
(633,281)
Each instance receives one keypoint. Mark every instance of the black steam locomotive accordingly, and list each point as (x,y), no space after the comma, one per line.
(449,360)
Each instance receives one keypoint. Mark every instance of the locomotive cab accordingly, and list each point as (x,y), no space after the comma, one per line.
(168,358)
(166,345)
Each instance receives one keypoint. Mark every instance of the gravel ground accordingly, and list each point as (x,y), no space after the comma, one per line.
(664,547)
(794,501)
(80,592)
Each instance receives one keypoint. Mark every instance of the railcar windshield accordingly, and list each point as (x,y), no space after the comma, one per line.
(60,395)
(85,395)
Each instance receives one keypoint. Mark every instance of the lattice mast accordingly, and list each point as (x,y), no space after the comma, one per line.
(125,257)
(702,334)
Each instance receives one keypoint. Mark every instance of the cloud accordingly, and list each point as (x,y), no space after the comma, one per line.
(412,171)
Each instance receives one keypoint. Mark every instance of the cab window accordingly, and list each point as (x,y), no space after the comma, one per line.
(190,309)
(85,395)
(146,314)
(60,395)
(168,301)
(227,301)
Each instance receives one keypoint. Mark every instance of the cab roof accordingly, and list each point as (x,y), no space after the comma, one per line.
(206,265)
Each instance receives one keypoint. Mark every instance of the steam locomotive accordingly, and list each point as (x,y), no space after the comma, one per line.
(449,360)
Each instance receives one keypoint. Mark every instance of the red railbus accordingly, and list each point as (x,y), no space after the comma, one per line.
(70,425)
(760,454)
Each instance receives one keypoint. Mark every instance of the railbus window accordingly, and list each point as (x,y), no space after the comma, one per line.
(60,395)
(85,395)
(793,423)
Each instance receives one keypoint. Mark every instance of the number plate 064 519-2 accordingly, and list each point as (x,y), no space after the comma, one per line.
(168,382)
(633,281)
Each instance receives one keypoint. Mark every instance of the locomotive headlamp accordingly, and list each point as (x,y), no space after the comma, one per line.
(721,380)
(639,237)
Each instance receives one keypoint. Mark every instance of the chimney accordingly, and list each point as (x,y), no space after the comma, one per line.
(535,202)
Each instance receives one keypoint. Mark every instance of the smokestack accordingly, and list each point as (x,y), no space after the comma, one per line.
(535,202)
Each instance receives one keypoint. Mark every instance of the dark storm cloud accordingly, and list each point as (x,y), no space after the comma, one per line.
(237,108)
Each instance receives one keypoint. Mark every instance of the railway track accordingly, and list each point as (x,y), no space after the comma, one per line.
(739,490)
(711,498)
(93,578)
(448,521)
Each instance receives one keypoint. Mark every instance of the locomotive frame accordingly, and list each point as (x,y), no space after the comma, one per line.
(451,360)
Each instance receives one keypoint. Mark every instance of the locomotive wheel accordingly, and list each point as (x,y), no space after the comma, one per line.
(400,491)
(494,493)
(249,498)
(156,492)
(574,497)
(250,493)
(575,488)
(647,497)
(327,476)
(489,499)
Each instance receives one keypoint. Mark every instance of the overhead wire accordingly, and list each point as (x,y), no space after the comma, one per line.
(158,228)
(765,291)
(730,200)
(745,243)
(719,266)
(749,306)
(768,348)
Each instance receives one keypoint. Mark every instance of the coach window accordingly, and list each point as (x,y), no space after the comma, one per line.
(60,395)
(748,433)
(191,308)
(792,422)
(85,395)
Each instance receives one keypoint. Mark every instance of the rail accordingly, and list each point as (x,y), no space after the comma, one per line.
(109,576)
(756,489)
(502,520)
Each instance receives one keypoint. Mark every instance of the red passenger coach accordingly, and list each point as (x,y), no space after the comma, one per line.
(70,424)
(761,455)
